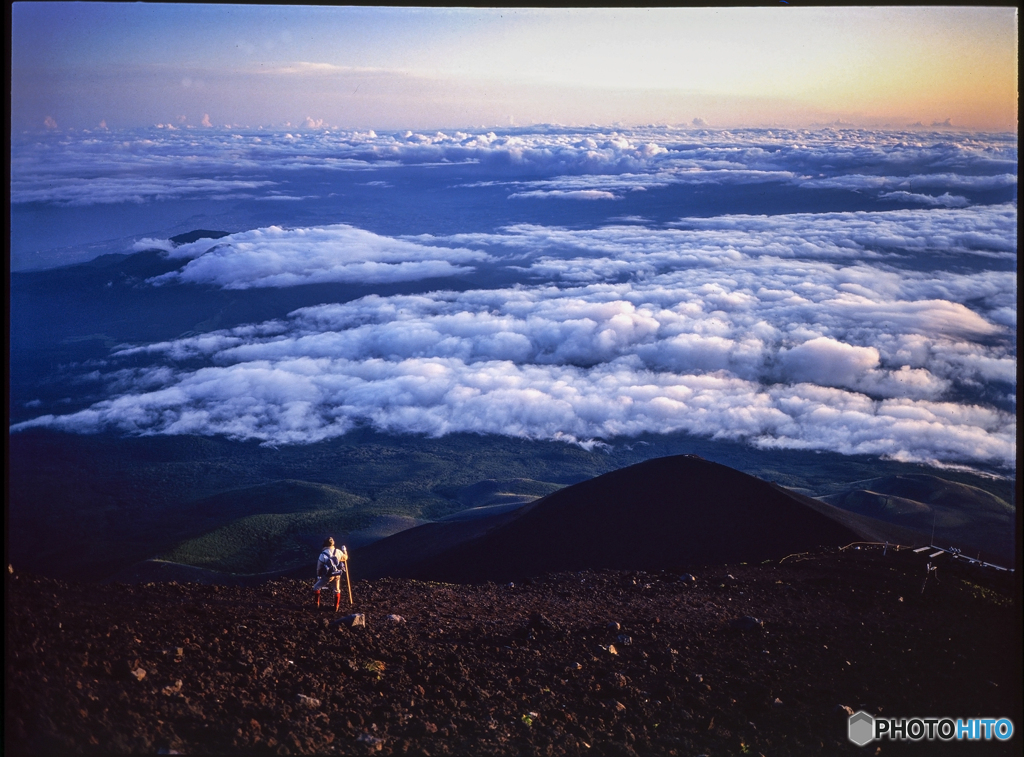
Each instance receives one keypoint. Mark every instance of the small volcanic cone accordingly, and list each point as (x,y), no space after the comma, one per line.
(659,514)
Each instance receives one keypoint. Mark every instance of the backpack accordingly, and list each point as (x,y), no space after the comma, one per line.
(327,564)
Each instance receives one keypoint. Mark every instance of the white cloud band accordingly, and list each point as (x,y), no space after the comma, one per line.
(276,257)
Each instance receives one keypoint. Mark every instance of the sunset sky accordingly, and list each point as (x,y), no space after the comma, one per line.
(77,65)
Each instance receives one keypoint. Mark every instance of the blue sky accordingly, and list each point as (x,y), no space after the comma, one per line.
(80,64)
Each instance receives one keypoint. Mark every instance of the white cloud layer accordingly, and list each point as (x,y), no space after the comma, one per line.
(987,231)
(276,257)
(891,332)
(306,399)
(854,356)
(565,194)
(155,164)
(105,190)
(945,200)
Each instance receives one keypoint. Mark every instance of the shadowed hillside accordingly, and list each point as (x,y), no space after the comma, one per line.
(958,514)
(266,527)
(122,500)
(662,513)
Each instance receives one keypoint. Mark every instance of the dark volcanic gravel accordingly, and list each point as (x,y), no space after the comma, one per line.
(592,663)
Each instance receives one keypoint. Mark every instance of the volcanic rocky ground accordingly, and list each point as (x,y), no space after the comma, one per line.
(606,662)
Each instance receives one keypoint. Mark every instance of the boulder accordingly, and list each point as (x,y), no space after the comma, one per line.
(355,620)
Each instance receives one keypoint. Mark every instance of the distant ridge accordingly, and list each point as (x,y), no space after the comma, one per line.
(955,514)
(663,513)
(156,570)
(194,236)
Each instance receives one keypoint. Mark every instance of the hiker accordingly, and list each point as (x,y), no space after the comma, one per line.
(330,567)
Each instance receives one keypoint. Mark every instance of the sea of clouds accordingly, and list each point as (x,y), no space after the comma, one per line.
(888,329)
(102,167)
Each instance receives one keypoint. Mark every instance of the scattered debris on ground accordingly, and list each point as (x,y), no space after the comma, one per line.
(770,660)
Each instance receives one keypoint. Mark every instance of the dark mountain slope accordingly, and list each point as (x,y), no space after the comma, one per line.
(667,512)
(403,553)
(868,528)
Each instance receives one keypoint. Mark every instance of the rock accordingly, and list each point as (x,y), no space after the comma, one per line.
(355,620)
(128,667)
(171,690)
(375,744)
(613,626)
(746,623)
(462,668)
(395,619)
(687,578)
(612,649)
(138,674)
(624,639)
(777,702)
